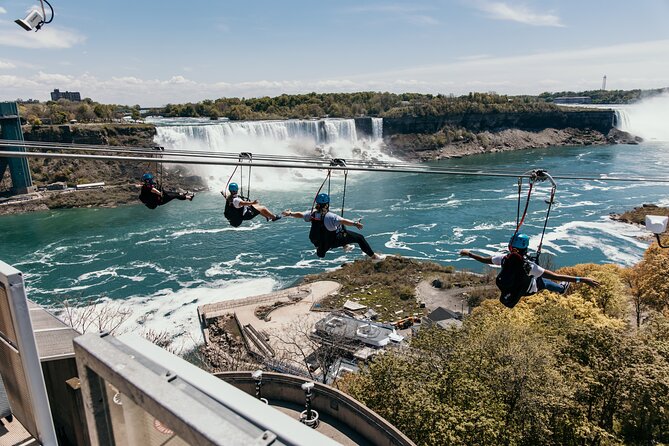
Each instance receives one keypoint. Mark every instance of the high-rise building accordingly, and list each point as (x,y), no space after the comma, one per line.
(73,96)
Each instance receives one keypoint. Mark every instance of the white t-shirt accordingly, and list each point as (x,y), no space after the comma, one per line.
(535,271)
(237,202)
(332,221)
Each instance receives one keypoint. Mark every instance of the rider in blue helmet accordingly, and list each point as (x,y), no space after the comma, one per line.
(238,208)
(153,196)
(520,276)
(520,242)
(327,229)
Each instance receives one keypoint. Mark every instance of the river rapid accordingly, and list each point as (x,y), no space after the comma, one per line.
(162,264)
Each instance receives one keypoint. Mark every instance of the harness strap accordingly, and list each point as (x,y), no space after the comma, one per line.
(327,178)
(548,213)
(527,204)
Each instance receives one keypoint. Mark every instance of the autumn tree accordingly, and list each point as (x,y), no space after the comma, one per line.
(653,277)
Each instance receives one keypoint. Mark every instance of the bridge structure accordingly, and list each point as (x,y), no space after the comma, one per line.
(10,129)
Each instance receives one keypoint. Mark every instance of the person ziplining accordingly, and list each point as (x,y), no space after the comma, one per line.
(153,195)
(520,276)
(239,209)
(328,229)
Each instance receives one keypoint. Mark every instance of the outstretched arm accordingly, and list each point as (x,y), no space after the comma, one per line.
(289,213)
(483,259)
(347,222)
(564,278)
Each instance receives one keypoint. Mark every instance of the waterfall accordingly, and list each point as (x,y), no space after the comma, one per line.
(377,129)
(647,118)
(329,138)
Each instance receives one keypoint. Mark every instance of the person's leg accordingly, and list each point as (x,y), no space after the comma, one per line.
(359,239)
(265,212)
(546,284)
(321,250)
(170,195)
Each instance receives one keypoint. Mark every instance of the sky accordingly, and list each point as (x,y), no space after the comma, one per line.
(152,53)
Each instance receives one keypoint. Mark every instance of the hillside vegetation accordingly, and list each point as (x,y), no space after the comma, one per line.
(590,368)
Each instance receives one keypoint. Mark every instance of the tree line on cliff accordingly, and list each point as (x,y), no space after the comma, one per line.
(590,368)
(85,111)
(315,105)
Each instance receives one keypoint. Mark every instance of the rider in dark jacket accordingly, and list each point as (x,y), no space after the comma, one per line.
(327,229)
(153,196)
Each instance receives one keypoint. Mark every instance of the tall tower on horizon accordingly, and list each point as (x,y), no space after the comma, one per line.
(604,82)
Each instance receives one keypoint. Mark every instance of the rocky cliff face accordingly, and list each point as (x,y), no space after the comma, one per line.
(599,120)
(435,137)
(138,135)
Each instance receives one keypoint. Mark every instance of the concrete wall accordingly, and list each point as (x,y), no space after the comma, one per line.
(328,401)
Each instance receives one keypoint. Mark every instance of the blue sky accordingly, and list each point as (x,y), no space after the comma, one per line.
(151,53)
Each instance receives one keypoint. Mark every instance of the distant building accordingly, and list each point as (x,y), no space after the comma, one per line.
(573,100)
(73,96)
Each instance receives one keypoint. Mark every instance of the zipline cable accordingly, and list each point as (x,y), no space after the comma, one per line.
(312,160)
(323,166)
(211,154)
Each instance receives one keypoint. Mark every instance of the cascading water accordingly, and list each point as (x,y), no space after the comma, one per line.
(647,118)
(377,128)
(330,138)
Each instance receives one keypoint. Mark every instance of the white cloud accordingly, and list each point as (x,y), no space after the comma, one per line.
(11,82)
(422,20)
(408,13)
(518,13)
(4,65)
(395,9)
(3,10)
(637,65)
(48,37)
(53,78)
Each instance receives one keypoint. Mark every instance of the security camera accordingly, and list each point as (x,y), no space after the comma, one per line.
(32,20)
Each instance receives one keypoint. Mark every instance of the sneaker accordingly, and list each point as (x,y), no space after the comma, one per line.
(565,287)
(277,217)
(378,258)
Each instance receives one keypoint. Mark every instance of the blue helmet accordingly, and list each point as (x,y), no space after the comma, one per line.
(322,199)
(520,241)
(147,177)
(233,187)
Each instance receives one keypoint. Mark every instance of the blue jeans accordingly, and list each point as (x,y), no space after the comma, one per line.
(546,284)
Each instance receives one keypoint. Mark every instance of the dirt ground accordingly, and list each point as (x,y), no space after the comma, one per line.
(454,299)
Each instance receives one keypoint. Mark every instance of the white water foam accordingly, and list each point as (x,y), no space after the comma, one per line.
(603,235)
(175,312)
